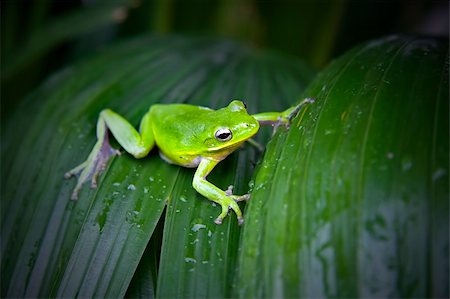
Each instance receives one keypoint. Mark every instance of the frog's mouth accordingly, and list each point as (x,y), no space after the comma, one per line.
(221,153)
(227,148)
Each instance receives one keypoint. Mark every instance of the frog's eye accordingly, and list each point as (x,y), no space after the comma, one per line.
(223,135)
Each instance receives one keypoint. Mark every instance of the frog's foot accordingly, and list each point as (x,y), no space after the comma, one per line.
(236,198)
(226,206)
(93,166)
(286,116)
(297,109)
(230,202)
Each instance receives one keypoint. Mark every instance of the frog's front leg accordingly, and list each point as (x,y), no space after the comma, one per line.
(135,143)
(281,118)
(225,199)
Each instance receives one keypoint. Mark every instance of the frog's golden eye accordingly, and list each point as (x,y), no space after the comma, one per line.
(223,134)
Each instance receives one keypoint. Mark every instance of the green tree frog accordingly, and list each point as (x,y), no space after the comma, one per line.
(186,135)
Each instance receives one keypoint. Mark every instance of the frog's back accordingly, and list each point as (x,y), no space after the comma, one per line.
(165,112)
(178,130)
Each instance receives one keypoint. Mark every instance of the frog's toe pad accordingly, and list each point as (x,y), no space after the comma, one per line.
(219,220)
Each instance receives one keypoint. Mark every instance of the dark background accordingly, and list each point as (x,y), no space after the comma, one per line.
(39,37)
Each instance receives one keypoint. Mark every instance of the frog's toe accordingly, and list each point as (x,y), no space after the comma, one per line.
(299,106)
(238,198)
(94,182)
(220,218)
(222,215)
(76,190)
(75,171)
(229,190)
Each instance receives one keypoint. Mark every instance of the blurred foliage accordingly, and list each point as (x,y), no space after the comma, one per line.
(40,36)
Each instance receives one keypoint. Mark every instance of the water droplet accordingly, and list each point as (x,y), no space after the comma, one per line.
(190,260)
(251,183)
(198,227)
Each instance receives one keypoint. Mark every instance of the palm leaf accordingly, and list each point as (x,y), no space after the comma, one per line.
(353,200)
(91,248)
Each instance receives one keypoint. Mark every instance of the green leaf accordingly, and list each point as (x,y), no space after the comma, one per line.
(52,246)
(143,284)
(353,200)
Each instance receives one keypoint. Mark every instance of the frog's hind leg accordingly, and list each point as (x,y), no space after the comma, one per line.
(96,161)
(135,143)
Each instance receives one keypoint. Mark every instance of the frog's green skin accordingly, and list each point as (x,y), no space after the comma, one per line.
(186,135)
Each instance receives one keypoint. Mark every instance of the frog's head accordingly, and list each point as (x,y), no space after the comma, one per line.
(230,127)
